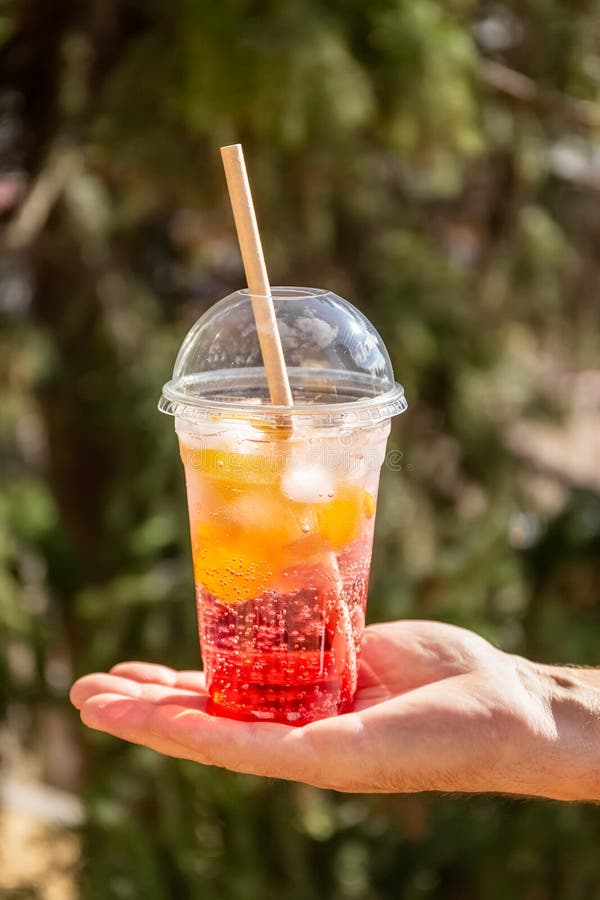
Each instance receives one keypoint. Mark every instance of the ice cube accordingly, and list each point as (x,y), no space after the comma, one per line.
(307,484)
(254,509)
(229,435)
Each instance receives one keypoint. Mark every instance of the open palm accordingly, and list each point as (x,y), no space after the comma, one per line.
(437,708)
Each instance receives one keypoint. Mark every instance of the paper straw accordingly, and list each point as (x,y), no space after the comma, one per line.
(256,275)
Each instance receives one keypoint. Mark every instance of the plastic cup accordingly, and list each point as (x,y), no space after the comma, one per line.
(282,500)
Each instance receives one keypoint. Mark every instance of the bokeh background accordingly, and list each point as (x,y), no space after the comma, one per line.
(437,162)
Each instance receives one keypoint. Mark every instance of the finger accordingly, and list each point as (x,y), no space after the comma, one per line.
(254,748)
(127,718)
(142,671)
(102,683)
(191,680)
(188,733)
(269,749)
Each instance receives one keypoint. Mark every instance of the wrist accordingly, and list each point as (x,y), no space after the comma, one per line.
(568,746)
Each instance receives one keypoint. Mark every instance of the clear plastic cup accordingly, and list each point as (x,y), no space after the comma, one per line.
(282,499)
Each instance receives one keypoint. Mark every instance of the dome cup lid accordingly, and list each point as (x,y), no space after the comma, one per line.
(338,367)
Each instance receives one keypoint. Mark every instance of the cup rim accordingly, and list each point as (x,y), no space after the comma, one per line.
(364,410)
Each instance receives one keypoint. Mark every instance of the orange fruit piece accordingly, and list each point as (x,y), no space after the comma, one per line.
(339,521)
(231,567)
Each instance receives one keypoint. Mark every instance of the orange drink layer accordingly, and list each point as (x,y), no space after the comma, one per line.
(281,533)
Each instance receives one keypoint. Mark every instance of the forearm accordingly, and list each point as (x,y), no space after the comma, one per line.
(570,749)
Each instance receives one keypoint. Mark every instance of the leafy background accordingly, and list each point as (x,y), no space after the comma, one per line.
(438,163)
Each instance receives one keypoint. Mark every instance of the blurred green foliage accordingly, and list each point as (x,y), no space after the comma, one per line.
(395,160)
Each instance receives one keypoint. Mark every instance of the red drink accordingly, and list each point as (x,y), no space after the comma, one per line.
(288,657)
(281,549)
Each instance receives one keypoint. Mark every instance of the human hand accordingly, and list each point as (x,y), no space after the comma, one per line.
(437,708)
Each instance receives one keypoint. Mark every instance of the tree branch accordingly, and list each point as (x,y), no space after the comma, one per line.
(523,91)
(44,194)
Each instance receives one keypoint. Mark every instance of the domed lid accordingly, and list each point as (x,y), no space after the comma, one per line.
(337,364)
